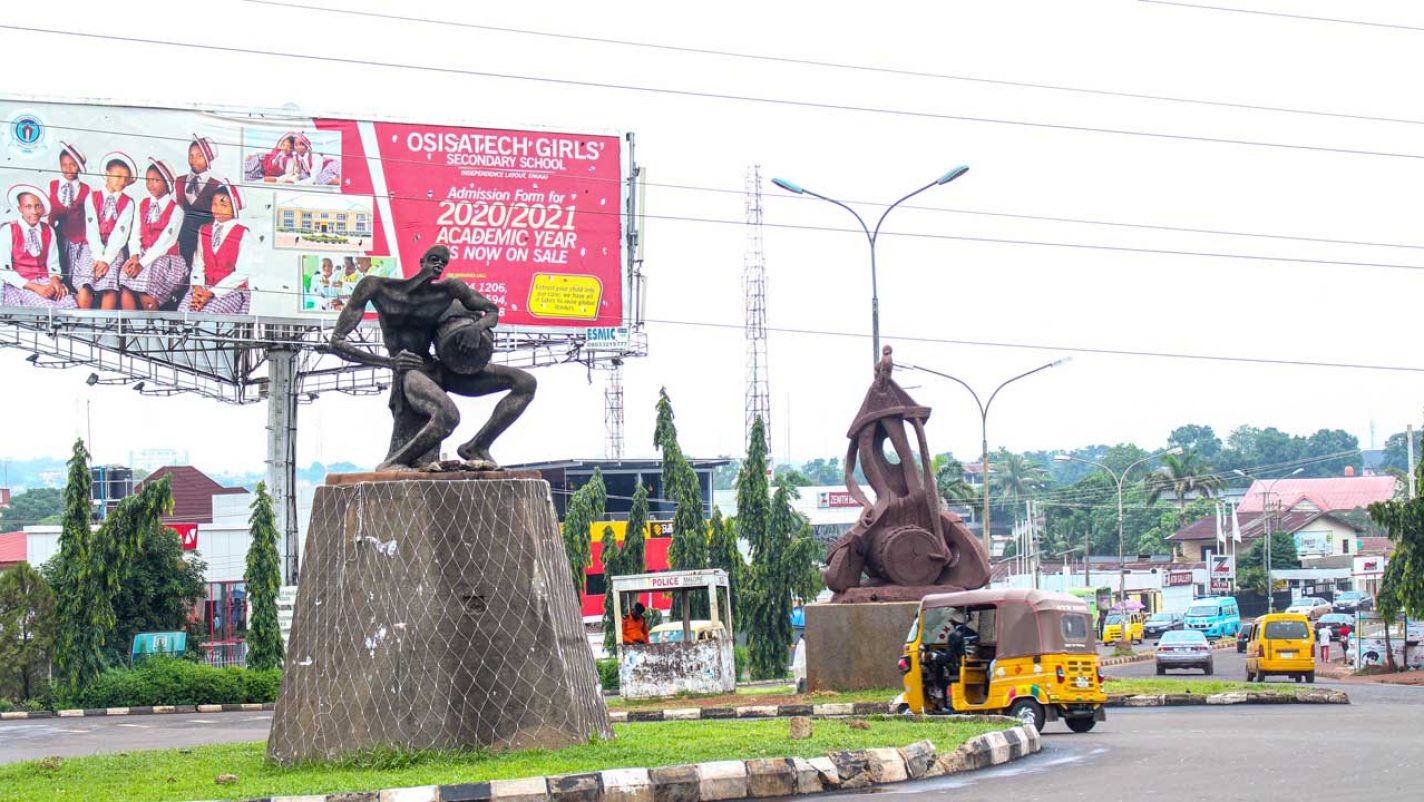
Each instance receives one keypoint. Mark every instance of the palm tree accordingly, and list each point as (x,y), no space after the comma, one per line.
(1182,475)
(949,479)
(1015,477)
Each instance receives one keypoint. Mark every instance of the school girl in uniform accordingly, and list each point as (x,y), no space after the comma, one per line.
(220,263)
(280,162)
(29,255)
(108,220)
(67,196)
(314,168)
(155,270)
(194,194)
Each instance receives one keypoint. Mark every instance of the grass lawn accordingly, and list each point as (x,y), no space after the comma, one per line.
(1133,687)
(759,695)
(173,775)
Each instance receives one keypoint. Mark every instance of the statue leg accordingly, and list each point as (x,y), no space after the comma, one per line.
(493,379)
(424,397)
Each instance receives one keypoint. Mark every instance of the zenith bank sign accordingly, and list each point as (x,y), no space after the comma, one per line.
(833,499)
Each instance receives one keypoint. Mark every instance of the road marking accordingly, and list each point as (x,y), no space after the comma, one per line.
(201,721)
(138,726)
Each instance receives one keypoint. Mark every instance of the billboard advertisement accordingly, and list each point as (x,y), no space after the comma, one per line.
(246,213)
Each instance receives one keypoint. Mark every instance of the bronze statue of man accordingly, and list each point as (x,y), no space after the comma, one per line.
(417,314)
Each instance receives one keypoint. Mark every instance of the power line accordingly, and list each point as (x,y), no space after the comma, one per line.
(1260,13)
(1070,348)
(796,198)
(910,234)
(665,91)
(807,62)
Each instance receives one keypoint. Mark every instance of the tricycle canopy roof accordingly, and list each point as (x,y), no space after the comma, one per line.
(1026,622)
(666,581)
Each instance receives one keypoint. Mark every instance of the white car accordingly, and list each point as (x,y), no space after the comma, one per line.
(1311,607)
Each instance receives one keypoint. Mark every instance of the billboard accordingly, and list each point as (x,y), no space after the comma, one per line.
(246,213)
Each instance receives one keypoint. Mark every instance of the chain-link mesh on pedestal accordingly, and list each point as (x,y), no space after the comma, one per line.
(435,613)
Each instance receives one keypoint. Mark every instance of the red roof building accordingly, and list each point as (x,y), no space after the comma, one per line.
(1320,495)
(193,493)
(12,549)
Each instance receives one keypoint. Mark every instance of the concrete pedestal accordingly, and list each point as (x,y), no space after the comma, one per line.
(851,647)
(435,613)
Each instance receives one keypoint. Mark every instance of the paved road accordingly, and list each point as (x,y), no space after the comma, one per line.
(1246,752)
(72,737)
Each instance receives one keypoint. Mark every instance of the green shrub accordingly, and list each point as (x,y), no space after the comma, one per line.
(742,658)
(167,681)
(608,673)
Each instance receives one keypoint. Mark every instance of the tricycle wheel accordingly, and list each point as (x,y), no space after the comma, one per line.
(1080,724)
(1028,711)
(1310,677)
(902,709)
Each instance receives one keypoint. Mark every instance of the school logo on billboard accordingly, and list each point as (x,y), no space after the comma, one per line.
(27,132)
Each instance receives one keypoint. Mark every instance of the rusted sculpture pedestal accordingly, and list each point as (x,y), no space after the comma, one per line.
(435,611)
(853,647)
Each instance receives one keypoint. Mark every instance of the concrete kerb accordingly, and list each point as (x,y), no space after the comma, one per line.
(155,710)
(1321,696)
(728,779)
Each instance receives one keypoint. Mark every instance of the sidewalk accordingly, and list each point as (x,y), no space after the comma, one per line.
(1339,672)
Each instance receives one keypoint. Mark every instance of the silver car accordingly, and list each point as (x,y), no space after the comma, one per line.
(1186,648)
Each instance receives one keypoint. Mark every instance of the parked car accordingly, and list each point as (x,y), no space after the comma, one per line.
(1339,624)
(1214,616)
(1184,649)
(1352,600)
(1243,636)
(1161,623)
(1311,607)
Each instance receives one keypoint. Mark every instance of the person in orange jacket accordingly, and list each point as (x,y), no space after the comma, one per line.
(635,626)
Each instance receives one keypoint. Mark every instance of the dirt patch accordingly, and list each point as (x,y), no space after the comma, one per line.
(1372,675)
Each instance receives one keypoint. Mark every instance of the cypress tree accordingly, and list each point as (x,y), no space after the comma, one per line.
(90,589)
(578,523)
(633,556)
(264,580)
(75,540)
(612,566)
(722,553)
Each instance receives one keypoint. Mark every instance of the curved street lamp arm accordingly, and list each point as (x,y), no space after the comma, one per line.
(1016,378)
(983,410)
(858,218)
(1085,461)
(888,209)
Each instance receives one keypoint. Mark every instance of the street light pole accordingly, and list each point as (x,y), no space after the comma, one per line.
(1270,533)
(872,236)
(984,426)
(1119,479)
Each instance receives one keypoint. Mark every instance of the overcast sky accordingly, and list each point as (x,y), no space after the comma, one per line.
(938,279)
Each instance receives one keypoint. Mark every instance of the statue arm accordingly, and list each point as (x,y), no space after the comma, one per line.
(347,322)
(475,302)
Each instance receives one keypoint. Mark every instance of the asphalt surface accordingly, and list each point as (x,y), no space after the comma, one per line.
(1366,750)
(73,737)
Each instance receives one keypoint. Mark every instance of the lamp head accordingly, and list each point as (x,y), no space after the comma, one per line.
(1297,471)
(92,380)
(1240,473)
(953,174)
(1059,362)
(139,387)
(1062,458)
(1175,451)
(788,186)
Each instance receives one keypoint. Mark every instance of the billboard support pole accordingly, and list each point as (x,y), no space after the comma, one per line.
(281,451)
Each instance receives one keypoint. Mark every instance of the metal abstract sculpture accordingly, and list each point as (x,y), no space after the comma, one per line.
(904,546)
(417,314)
